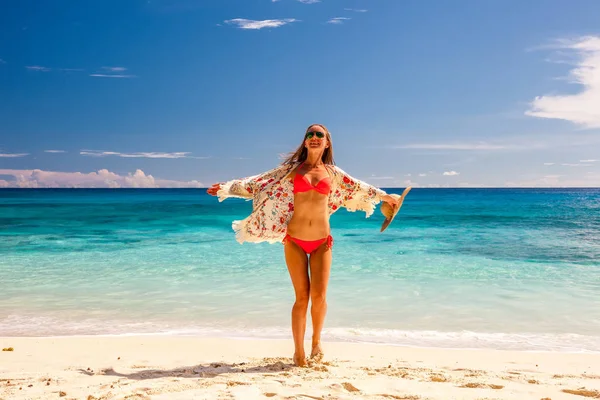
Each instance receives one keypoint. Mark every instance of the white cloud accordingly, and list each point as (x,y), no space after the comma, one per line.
(455,146)
(451,173)
(470,185)
(373,177)
(337,20)
(582,108)
(108,70)
(115,69)
(103,178)
(113,76)
(252,24)
(516,142)
(422,175)
(582,163)
(96,153)
(37,68)
(309,1)
(2,61)
(591,179)
(13,155)
(54,151)
(356,10)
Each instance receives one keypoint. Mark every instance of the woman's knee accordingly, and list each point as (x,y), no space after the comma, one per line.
(302,298)
(318,297)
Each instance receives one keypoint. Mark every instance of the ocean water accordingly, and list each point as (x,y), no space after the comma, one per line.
(459,268)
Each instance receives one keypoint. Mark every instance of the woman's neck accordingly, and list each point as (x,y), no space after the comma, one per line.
(313,161)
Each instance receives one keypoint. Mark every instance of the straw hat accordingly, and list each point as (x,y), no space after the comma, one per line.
(388,212)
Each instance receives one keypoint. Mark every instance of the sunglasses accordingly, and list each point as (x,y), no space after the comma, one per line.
(309,135)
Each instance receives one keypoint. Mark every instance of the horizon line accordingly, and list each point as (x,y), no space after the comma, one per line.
(389,187)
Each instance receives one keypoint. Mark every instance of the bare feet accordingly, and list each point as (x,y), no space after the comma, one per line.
(299,360)
(317,352)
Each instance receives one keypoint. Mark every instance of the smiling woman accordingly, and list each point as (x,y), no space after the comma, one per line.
(292,204)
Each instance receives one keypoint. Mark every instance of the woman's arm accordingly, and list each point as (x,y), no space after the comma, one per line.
(242,188)
(245,188)
(354,194)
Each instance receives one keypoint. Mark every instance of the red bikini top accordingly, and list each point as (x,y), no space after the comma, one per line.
(301,184)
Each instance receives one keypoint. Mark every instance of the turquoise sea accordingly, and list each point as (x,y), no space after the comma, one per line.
(466,268)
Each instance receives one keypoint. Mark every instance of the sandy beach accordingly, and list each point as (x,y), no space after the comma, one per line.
(164,367)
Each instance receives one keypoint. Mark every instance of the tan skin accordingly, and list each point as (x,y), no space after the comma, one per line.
(309,273)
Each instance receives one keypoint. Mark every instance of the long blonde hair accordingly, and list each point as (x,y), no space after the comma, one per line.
(300,154)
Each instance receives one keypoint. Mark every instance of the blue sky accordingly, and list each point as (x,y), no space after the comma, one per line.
(190,92)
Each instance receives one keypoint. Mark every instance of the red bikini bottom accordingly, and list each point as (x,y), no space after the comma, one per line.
(310,246)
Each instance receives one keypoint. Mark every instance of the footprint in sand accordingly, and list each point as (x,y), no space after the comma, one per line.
(476,385)
(350,387)
(393,396)
(583,392)
(438,378)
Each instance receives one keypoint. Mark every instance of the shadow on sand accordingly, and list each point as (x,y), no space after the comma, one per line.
(211,370)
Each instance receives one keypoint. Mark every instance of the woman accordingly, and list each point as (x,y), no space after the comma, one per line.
(292,204)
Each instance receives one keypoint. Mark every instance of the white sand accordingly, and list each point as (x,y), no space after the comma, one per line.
(151,367)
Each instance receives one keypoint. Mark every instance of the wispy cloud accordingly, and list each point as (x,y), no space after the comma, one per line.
(576,165)
(356,10)
(451,173)
(112,72)
(2,61)
(13,155)
(112,76)
(580,108)
(252,24)
(103,178)
(453,146)
(115,69)
(106,72)
(38,68)
(521,141)
(97,153)
(309,1)
(590,179)
(337,20)
(581,163)
(54,151)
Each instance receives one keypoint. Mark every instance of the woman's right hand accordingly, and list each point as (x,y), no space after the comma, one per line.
(214,189)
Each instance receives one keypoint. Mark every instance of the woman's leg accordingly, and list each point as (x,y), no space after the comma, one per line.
(297,263)
(320,267)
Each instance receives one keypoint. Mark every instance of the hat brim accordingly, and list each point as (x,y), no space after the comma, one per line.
(400,198)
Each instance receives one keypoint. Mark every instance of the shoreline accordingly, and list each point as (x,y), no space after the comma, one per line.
(464,340)
(183,367)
